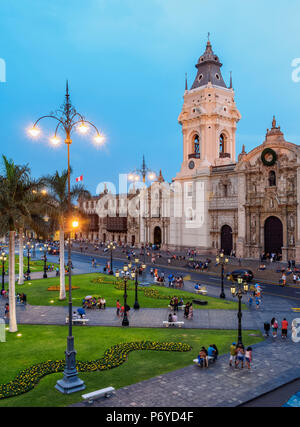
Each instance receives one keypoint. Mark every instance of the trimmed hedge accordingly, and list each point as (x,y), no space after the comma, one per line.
(27,379)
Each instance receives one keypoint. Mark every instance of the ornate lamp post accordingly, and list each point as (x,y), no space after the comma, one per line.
(3,258)
(222,260)
(136,303)
(125,321)
(143,172)
(111,246)
(28,246)
(46,248)
(69,120)
(242,289)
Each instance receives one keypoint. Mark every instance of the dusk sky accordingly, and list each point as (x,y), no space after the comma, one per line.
(126,62)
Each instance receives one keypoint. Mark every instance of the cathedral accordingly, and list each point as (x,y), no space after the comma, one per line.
(247,205)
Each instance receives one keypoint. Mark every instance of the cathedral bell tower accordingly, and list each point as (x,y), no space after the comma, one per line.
(209,117)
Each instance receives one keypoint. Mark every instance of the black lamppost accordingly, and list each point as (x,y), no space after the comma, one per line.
(144,274)
(111,246)
(222,260)
(46,248)
(243,288)
(125,321)
(28,246)
(69,120)
(3,258)
(136,303)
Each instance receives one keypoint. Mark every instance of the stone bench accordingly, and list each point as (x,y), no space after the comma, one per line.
(210,360)
(78,320)
(180,307)
(201,291)
(104,392)
(167,324)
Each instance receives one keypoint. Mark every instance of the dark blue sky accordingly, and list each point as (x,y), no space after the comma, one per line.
(126,62)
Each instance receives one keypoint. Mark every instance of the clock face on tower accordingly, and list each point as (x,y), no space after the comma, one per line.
(191,164)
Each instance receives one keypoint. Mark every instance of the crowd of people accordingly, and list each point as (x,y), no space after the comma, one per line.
(238,355)
(274,326)
(91,302)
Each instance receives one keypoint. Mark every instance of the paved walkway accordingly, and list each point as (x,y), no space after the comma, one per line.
(275,363)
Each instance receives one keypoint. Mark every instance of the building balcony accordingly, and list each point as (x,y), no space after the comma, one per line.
(225,156)
(194,156)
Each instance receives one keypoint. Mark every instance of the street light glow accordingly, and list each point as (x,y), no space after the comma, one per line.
(99,139)
(34,131)
(55,140)
(83,128)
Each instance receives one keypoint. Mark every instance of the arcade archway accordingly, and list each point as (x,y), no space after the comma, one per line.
(273,235)
(157,236)
(226,239)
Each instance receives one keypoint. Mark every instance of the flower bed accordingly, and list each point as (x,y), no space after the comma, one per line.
(57,288)
(113,357)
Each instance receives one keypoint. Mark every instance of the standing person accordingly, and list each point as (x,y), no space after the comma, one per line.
(190,315)
(284,328)
(240,356)
(232,354)
(294,278)
(267,328)
(248,357)
(274,325)
(6,310)
(118,308)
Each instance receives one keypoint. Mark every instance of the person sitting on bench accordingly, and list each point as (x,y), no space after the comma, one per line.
(202,358)
(174,317)
(211,352)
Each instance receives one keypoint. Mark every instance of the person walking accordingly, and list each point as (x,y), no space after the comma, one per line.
(274,325)
(284,328)
(240,356)
(118,308)
(248,357)
(267,328)
(6,311)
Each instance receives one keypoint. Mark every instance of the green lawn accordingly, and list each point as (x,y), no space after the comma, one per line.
(43,343)
(35,265)
(38,293)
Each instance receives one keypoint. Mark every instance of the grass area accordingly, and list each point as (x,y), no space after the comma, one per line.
(38,293)
(35,265)
(43,343)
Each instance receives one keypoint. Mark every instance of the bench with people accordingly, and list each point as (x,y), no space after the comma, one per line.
(173,320)
(207,356)
(200,289)
(79,317)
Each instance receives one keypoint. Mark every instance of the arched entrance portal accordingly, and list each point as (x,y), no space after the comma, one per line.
(157,236)
(273,235)
(226,239)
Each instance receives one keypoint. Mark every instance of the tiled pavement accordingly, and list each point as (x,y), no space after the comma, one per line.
(275,363)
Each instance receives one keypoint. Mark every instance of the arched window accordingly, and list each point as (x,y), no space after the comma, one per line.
(222,143)
(196,144)
(272,179)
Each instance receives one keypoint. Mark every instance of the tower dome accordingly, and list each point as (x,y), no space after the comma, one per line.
(209,69)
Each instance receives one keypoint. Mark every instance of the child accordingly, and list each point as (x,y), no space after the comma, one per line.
(232,354)
(240,356)
(248,356)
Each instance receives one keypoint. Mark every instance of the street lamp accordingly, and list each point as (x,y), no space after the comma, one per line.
(46,248)
(136,303)
(28,246)
(125,321)
(243,288)
(111,247)
(144,171)
(69,120)
(222,260)
(3,258)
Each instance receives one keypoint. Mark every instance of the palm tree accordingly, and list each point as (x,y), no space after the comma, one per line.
(20,202)
(58,191)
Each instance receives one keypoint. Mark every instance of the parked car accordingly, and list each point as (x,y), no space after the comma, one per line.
(245,274)
(53,250)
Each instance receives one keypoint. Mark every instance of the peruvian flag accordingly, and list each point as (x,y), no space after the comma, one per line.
(80,178)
